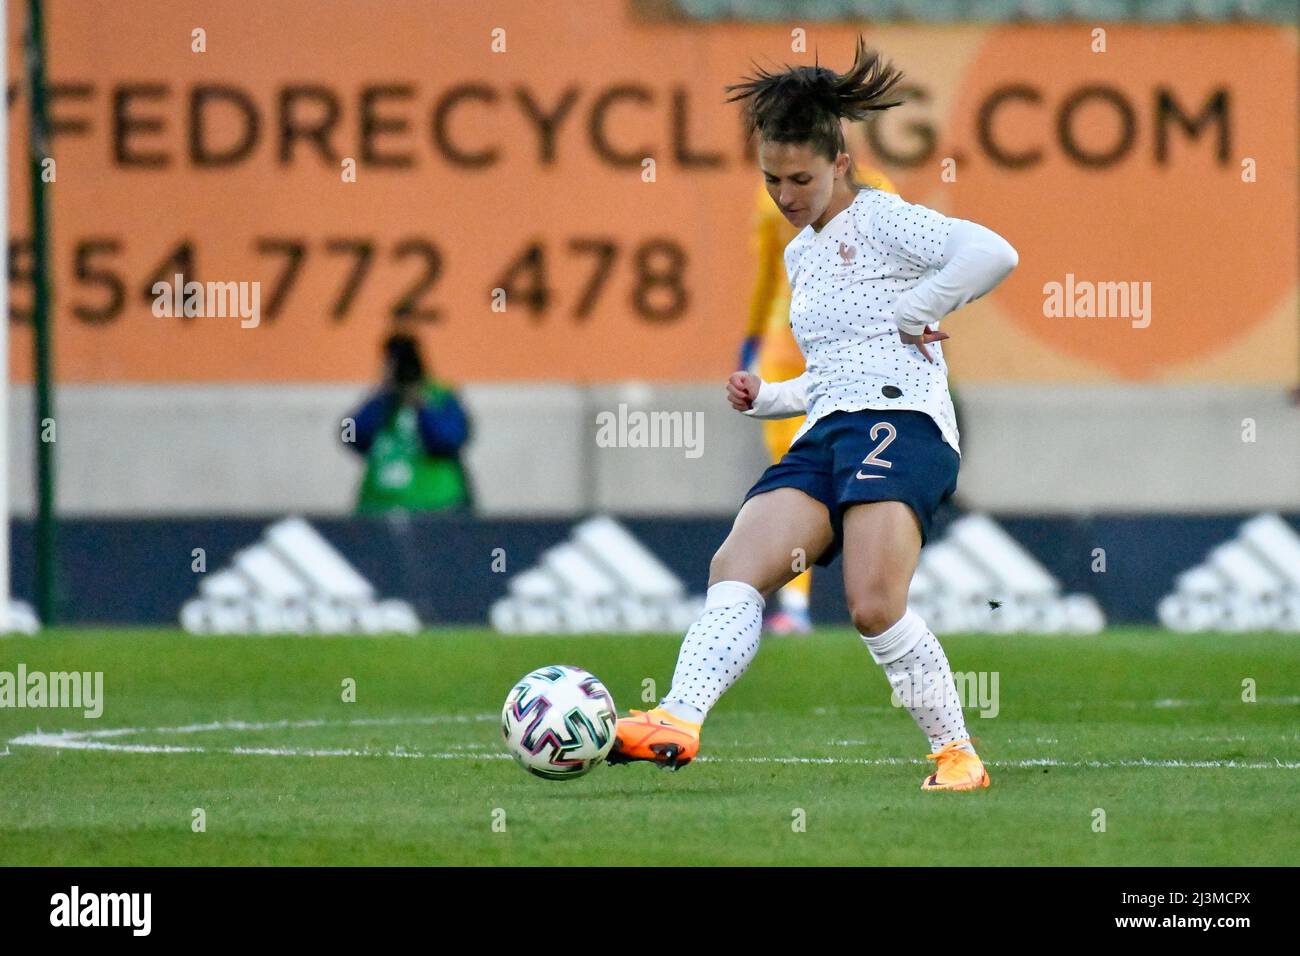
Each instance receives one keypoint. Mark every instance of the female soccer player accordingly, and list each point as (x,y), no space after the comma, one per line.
(871,277)
(770,351)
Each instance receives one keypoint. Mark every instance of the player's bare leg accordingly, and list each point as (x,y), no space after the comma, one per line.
(882,544)
(775,535)
(777,362)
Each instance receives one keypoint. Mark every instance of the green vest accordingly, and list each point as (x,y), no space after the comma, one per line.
(400,474)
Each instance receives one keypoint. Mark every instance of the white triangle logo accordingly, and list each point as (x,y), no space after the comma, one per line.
(1250,583)
(978,578)
(293,581)
(602,579)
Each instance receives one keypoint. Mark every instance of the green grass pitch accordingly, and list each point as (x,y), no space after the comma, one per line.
(1146,726)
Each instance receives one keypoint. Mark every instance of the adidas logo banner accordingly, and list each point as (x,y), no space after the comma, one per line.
(977,578)
(600,580)
(293,581)
(1247,584)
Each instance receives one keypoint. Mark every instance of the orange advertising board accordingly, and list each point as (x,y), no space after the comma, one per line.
(365,166)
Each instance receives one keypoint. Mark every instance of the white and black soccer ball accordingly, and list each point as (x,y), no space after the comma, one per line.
(558,722)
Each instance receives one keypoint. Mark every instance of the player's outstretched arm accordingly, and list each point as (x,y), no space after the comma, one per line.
(756,398)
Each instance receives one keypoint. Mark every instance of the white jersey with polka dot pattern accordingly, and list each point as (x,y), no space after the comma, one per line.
(845,284)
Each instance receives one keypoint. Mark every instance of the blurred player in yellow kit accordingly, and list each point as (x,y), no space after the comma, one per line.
(771,352)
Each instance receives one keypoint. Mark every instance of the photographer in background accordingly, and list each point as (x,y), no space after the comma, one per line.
(411,433)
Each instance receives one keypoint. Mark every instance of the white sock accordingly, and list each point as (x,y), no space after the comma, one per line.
(717,649)
(918,671)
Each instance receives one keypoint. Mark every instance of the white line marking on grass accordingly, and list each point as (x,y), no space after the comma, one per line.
(1163,703)
(295,724)
(1032,762)
(100,740)
(78,741)
(1273,764)
(95,739)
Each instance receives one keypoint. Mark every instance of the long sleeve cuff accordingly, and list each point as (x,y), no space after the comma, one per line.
(781,399)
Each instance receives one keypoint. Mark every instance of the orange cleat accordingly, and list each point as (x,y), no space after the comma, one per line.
(955,769)
(666,741)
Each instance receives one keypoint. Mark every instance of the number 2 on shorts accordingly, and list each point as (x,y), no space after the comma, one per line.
(873,457)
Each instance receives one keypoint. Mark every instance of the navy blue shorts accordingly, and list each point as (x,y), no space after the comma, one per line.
(848,458)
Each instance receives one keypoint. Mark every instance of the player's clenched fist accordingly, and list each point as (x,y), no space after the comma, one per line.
(742,389)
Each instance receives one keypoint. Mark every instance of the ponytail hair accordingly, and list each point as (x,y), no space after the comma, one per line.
(805,104)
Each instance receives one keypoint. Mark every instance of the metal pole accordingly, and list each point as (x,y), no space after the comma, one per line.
(38,140)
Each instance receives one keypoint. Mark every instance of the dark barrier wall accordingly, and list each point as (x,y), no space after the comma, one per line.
(139,571)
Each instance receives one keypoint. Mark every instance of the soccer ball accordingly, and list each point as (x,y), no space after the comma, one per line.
(558,722)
